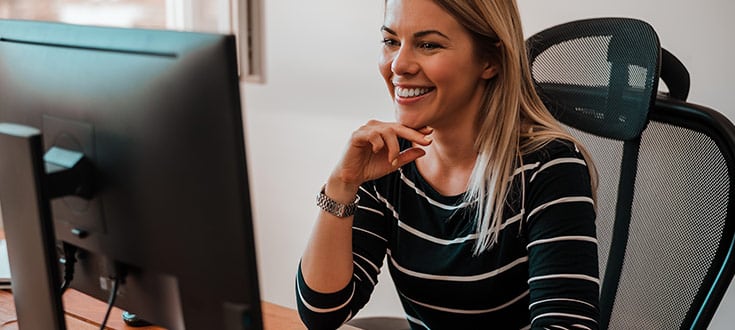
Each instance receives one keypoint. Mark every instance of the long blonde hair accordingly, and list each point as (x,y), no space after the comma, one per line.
(514,121)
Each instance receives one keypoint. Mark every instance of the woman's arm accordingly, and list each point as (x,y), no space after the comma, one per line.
(326,273)
(328,310)
(373,152)
(327,262)
(562,245)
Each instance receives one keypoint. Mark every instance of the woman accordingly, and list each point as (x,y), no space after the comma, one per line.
(482,205)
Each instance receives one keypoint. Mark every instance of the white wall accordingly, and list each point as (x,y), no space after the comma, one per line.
(322,83)
(697,32)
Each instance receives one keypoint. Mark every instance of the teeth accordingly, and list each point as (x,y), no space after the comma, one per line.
(411,92)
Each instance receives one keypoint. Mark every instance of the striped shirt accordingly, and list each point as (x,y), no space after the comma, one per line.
(541,274)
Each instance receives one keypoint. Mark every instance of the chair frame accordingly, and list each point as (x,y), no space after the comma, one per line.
(716,126)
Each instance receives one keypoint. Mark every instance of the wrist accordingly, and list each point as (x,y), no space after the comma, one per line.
(340,191)
(335,208)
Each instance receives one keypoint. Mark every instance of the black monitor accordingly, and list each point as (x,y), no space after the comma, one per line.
(127,144)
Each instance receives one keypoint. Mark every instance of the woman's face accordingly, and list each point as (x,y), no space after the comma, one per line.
(429,65)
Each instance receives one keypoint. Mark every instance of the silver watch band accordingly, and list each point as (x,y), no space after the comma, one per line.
(336,208)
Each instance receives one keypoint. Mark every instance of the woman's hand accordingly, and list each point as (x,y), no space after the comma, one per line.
(373,151)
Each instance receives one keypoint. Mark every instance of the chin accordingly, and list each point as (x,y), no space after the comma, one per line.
(410,117)
(410,123)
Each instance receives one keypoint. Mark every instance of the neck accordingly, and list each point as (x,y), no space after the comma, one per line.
(450,159)
(453,149)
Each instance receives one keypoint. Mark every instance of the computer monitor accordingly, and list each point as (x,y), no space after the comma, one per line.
(153,121)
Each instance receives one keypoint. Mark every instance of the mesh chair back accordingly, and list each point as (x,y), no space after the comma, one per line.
(588,75)
(665,223)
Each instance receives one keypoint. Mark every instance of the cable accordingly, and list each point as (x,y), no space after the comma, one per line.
(110,301)
(68,260)
(117,273)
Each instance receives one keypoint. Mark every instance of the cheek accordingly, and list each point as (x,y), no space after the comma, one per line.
(384,66)
(384,63)
(453,76)
(442,73)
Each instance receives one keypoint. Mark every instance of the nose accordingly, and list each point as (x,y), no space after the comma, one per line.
(404,62)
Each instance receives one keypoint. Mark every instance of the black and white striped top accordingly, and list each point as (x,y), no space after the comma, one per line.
(541,274)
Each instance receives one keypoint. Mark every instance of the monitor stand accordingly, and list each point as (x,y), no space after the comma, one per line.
(27,184)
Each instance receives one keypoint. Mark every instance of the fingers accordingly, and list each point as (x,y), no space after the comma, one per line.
(385,140)
(408,156)
(377,133)
(386,136)
(426,130)
(421,136)
(377,141)
(374,151)
(393,150)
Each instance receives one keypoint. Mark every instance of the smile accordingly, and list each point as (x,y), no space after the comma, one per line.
(411,92)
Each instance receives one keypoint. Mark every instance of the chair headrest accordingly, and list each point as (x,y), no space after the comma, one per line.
(598,75)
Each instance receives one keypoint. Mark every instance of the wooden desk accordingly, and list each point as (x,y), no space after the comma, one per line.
(84,312)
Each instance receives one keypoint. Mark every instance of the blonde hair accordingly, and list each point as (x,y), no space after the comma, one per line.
(514,121)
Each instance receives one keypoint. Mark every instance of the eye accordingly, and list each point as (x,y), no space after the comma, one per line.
(388,42)
(430,46)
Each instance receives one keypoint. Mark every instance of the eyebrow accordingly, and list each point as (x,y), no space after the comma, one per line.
(417,34)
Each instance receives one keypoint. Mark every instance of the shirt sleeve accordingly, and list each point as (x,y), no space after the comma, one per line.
(370,232)
(562,244)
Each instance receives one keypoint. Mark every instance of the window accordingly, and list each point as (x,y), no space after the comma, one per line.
(125,13)
(240,17)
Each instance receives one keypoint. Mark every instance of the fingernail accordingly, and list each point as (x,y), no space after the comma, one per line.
(394,162)
(428,137)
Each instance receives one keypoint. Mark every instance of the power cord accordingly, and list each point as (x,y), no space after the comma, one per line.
(117,273)
(110,302)
(68,259)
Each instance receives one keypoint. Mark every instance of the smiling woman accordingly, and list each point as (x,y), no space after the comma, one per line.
(479,202)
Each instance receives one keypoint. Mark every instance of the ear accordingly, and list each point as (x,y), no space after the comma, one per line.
(490,71)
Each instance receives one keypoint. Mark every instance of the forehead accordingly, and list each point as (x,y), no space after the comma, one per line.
(414,15)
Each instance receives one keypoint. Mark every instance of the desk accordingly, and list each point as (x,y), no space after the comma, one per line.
(84,312)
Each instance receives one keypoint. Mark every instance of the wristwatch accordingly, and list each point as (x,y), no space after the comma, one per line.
(336,208)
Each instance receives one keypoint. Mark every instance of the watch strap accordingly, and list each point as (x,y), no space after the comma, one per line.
(336,208)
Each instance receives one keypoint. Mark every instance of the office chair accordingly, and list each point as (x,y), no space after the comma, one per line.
(665,205)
